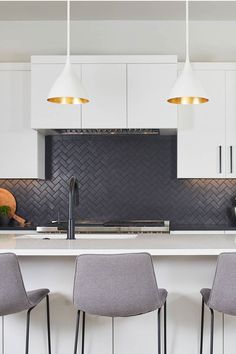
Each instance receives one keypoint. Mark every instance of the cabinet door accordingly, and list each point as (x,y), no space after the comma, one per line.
(47,115)
(22,149)
(230,124)
(201,131)
(106,88)
(15,99)
(148,88)
(229,334)
(24,155)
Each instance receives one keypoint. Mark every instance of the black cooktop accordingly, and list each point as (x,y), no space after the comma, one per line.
(111,223)
(134,223)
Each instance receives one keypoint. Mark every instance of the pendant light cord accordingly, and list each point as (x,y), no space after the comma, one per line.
(187,30)
(68,31)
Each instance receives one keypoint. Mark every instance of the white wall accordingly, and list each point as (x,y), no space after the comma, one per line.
(210,40)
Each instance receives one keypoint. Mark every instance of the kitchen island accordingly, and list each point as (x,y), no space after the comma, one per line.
(174,244)
(184,263)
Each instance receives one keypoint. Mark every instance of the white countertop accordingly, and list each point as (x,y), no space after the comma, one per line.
(157,245)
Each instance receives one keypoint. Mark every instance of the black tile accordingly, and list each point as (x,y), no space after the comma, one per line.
(121,177)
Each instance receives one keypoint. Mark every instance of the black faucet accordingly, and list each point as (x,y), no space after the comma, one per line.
(73,201)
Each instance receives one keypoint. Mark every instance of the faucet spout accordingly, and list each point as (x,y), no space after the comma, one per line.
(73,201)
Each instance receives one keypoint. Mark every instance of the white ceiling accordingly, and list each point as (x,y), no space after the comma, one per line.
(117,10)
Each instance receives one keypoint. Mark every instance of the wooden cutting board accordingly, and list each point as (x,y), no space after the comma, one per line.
(8,199)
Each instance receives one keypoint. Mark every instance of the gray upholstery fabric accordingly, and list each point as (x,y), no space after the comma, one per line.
(116,285)
(163,295)
(205,294)
(13,297)
(35,296)
(222,296)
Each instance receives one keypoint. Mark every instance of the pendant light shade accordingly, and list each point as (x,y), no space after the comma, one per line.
(68,88)
(187,88)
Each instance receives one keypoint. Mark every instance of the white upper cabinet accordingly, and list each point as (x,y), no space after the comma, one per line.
(23,155)
(148,88)
(47,115)
(125,92)
(15,97)
(22,149)
(230,150)
(207,133)
(201,131)
(106,88)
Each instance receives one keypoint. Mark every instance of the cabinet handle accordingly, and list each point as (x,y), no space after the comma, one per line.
(231,158)
(220,159)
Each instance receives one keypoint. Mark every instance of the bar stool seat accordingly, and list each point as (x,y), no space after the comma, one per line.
(35,296)
(163,296)
(205,292)
(22,303)
(13,296)
(222,296)
(117,285)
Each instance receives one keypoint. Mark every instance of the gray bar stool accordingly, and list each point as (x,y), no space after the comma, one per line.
(222,296)
(119,285)
(13,296)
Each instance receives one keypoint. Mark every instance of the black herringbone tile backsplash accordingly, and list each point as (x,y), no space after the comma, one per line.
(121,177)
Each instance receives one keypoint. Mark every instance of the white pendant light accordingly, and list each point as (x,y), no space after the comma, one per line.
(187,88)
(68,88)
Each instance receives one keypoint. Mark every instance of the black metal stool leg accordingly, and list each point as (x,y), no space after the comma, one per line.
(212,331)
(83,334)
(112,335)
(27,330)
(202,327)
(3,335)
(165,334)
(48,325)
(76,333)
(159,330)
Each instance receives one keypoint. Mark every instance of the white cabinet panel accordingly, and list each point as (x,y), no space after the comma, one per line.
(229,334)
(22,148)
(148,88)
(15,100)
(201,132)
(106,88)
(137,334)
(24,155)
(230,124)
(46,115)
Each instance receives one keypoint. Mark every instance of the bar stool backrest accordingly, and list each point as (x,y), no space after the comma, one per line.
(13,297)
(223,293)
(118,285)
